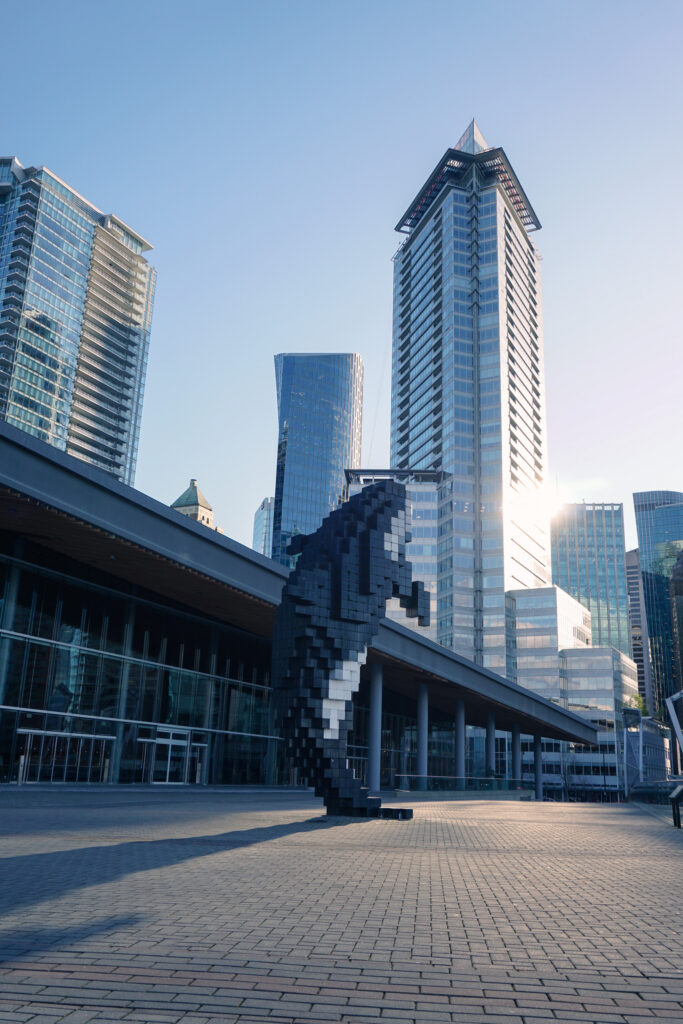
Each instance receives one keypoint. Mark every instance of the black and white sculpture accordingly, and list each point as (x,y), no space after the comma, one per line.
(331,607)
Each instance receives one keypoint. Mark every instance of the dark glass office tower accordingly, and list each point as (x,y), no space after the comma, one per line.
(468,392)
(589,562)
(76,296)
(638,623)
(262,540)
(320,412)
(659,521)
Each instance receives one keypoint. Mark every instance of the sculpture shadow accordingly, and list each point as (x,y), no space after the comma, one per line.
(31,879)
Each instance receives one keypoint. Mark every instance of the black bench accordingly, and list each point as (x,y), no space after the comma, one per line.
(676,797)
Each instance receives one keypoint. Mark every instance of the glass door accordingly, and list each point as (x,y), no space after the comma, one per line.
(171,761)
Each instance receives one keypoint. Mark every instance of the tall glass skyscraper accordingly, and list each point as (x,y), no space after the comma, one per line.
(320,414)
(638,623)
(76,296)
(468,392)
(262,540)
(659,522)
(589,562)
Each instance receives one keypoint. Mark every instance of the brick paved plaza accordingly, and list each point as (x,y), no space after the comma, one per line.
(209,906)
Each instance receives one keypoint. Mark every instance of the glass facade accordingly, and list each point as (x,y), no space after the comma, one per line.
(320,411)
(76,297)
(423,488)
(468,393)
(676,595)
(600,683)
(102,683)
(638,624)
(659,522)
(589,562)
(550,652)
(540,622)
(263,528)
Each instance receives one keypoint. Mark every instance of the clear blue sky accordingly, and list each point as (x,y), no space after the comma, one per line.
(268,149)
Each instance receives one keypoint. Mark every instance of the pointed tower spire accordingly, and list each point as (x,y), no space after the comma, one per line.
(471,140)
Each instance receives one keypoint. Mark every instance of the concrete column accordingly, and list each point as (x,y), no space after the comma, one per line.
(490,744)
(516,754)
(121,728)
(375,729)
(460,743)
(538,768)
(422,734)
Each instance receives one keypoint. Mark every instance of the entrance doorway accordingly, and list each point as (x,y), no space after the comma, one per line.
(173,757)
(64,757)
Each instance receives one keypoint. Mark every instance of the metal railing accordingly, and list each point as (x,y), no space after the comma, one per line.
(461,784)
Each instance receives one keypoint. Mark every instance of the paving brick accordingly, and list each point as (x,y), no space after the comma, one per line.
(209,908)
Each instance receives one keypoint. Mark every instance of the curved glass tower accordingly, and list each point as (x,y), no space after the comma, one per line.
(468,392)
(320,411)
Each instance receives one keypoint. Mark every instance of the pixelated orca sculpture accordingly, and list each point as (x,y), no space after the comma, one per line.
(331,608)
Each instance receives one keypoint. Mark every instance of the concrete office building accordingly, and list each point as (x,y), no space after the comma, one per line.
(135,647)
(468,392)
(262,540)
(589,562)
(320,417)
(76,297)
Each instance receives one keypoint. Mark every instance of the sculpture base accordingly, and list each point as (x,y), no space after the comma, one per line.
(388,813)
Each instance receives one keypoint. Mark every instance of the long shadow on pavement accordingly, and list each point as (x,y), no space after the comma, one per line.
(39,877)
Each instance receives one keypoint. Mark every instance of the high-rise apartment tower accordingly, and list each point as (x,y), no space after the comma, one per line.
(76,296)
(468,393)
(320,413)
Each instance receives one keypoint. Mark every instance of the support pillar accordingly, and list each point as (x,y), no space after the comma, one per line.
(121,729)
(422,735)
(516,755)
(375,729)
(538,767)
(460,744)
(490,744)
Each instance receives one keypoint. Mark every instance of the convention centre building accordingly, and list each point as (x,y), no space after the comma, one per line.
(135,647)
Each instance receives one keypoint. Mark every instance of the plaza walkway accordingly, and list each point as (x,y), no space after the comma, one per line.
(200,907)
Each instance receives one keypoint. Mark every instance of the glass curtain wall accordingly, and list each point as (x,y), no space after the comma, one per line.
(589,562)
(100,685)
(659,521)
(468,393)
(76,298)
(320,411)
